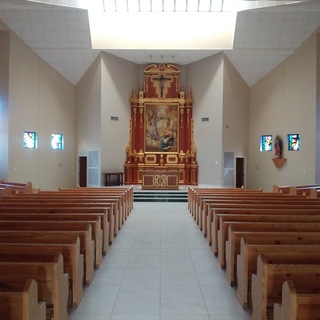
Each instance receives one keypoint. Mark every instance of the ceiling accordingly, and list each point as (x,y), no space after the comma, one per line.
(263,37)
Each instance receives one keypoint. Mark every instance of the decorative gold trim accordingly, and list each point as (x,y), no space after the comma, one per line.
(135,117)
(150,159)
(141,116)
(181,116)
(172,159)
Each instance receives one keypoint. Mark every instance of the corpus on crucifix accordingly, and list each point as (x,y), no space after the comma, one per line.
(162,80)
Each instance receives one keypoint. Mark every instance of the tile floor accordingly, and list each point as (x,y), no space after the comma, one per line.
(159,268)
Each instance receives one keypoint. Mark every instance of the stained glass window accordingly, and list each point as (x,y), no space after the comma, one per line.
(57,141)
(266,143)
(294,142)
(30,140)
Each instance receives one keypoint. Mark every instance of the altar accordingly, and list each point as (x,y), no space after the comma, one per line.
(160,180)
(161,153)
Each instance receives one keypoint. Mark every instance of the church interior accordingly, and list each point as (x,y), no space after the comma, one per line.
(159,160)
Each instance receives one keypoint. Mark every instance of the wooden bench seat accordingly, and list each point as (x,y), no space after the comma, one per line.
(126,192)
(72,260)
(18,187)
(267,284)
(296,305)
(19,301)
(214,218)
(5,190)
(247,261)
(258,237)
(54,206)
(66,226)
(51,279)
(94,220)
(257,203)
(86,243)
(118,200)
(257,209)
(259,225)
(281,189)
(195,193)
(207,202)
(308,191)
(64,213)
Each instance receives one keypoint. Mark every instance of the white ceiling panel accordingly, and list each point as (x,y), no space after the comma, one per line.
(60,34)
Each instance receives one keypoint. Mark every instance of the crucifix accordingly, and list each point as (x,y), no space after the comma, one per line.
(161,83)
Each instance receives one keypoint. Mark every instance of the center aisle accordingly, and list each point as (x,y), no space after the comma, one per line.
(160,267)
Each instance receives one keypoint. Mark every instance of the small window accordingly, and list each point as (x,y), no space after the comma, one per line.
(57,141)
(294,142)
(266,143)
(30,140)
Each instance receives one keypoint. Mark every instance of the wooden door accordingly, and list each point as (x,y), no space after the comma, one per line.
(239,172)
(82,171)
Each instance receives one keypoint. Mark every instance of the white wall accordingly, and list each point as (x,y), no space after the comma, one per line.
(205,78)
(235,126)
(4,103)
(40,100)
(119,77)
(284,102)
(88,110)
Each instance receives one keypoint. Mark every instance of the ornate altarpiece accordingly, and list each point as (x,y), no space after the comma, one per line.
(161,129)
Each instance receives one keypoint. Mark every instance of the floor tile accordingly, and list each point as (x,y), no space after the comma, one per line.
(160,267)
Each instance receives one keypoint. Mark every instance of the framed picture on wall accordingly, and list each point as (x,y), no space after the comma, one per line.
(161,128)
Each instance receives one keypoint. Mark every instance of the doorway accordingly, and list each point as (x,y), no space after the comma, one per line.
(82,171)
(239,172)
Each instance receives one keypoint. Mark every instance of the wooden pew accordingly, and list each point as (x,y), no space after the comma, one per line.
(208,202)
(296,305)
(195,192)
(307,191)
(256,209)
(267,284)
(255,202)
(128,192)
(281,189)
(52,207)
(94,220)
(5,190)
(258,237)
(89,201)
(18,187)
(291,223)
(20,301)
(65,226)
(202,200)
(51,279)
(65,213)
(86,244)
(247,261)
(117,198)
(20,250)
(243,212)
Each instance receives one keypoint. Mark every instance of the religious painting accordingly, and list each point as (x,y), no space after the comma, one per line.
(161,128)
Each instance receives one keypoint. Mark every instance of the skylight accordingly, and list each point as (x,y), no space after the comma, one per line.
(168,5)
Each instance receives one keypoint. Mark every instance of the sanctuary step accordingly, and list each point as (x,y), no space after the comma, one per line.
(160,196)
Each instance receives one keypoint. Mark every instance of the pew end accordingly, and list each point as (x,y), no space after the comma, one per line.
(294,305)
(20,301)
